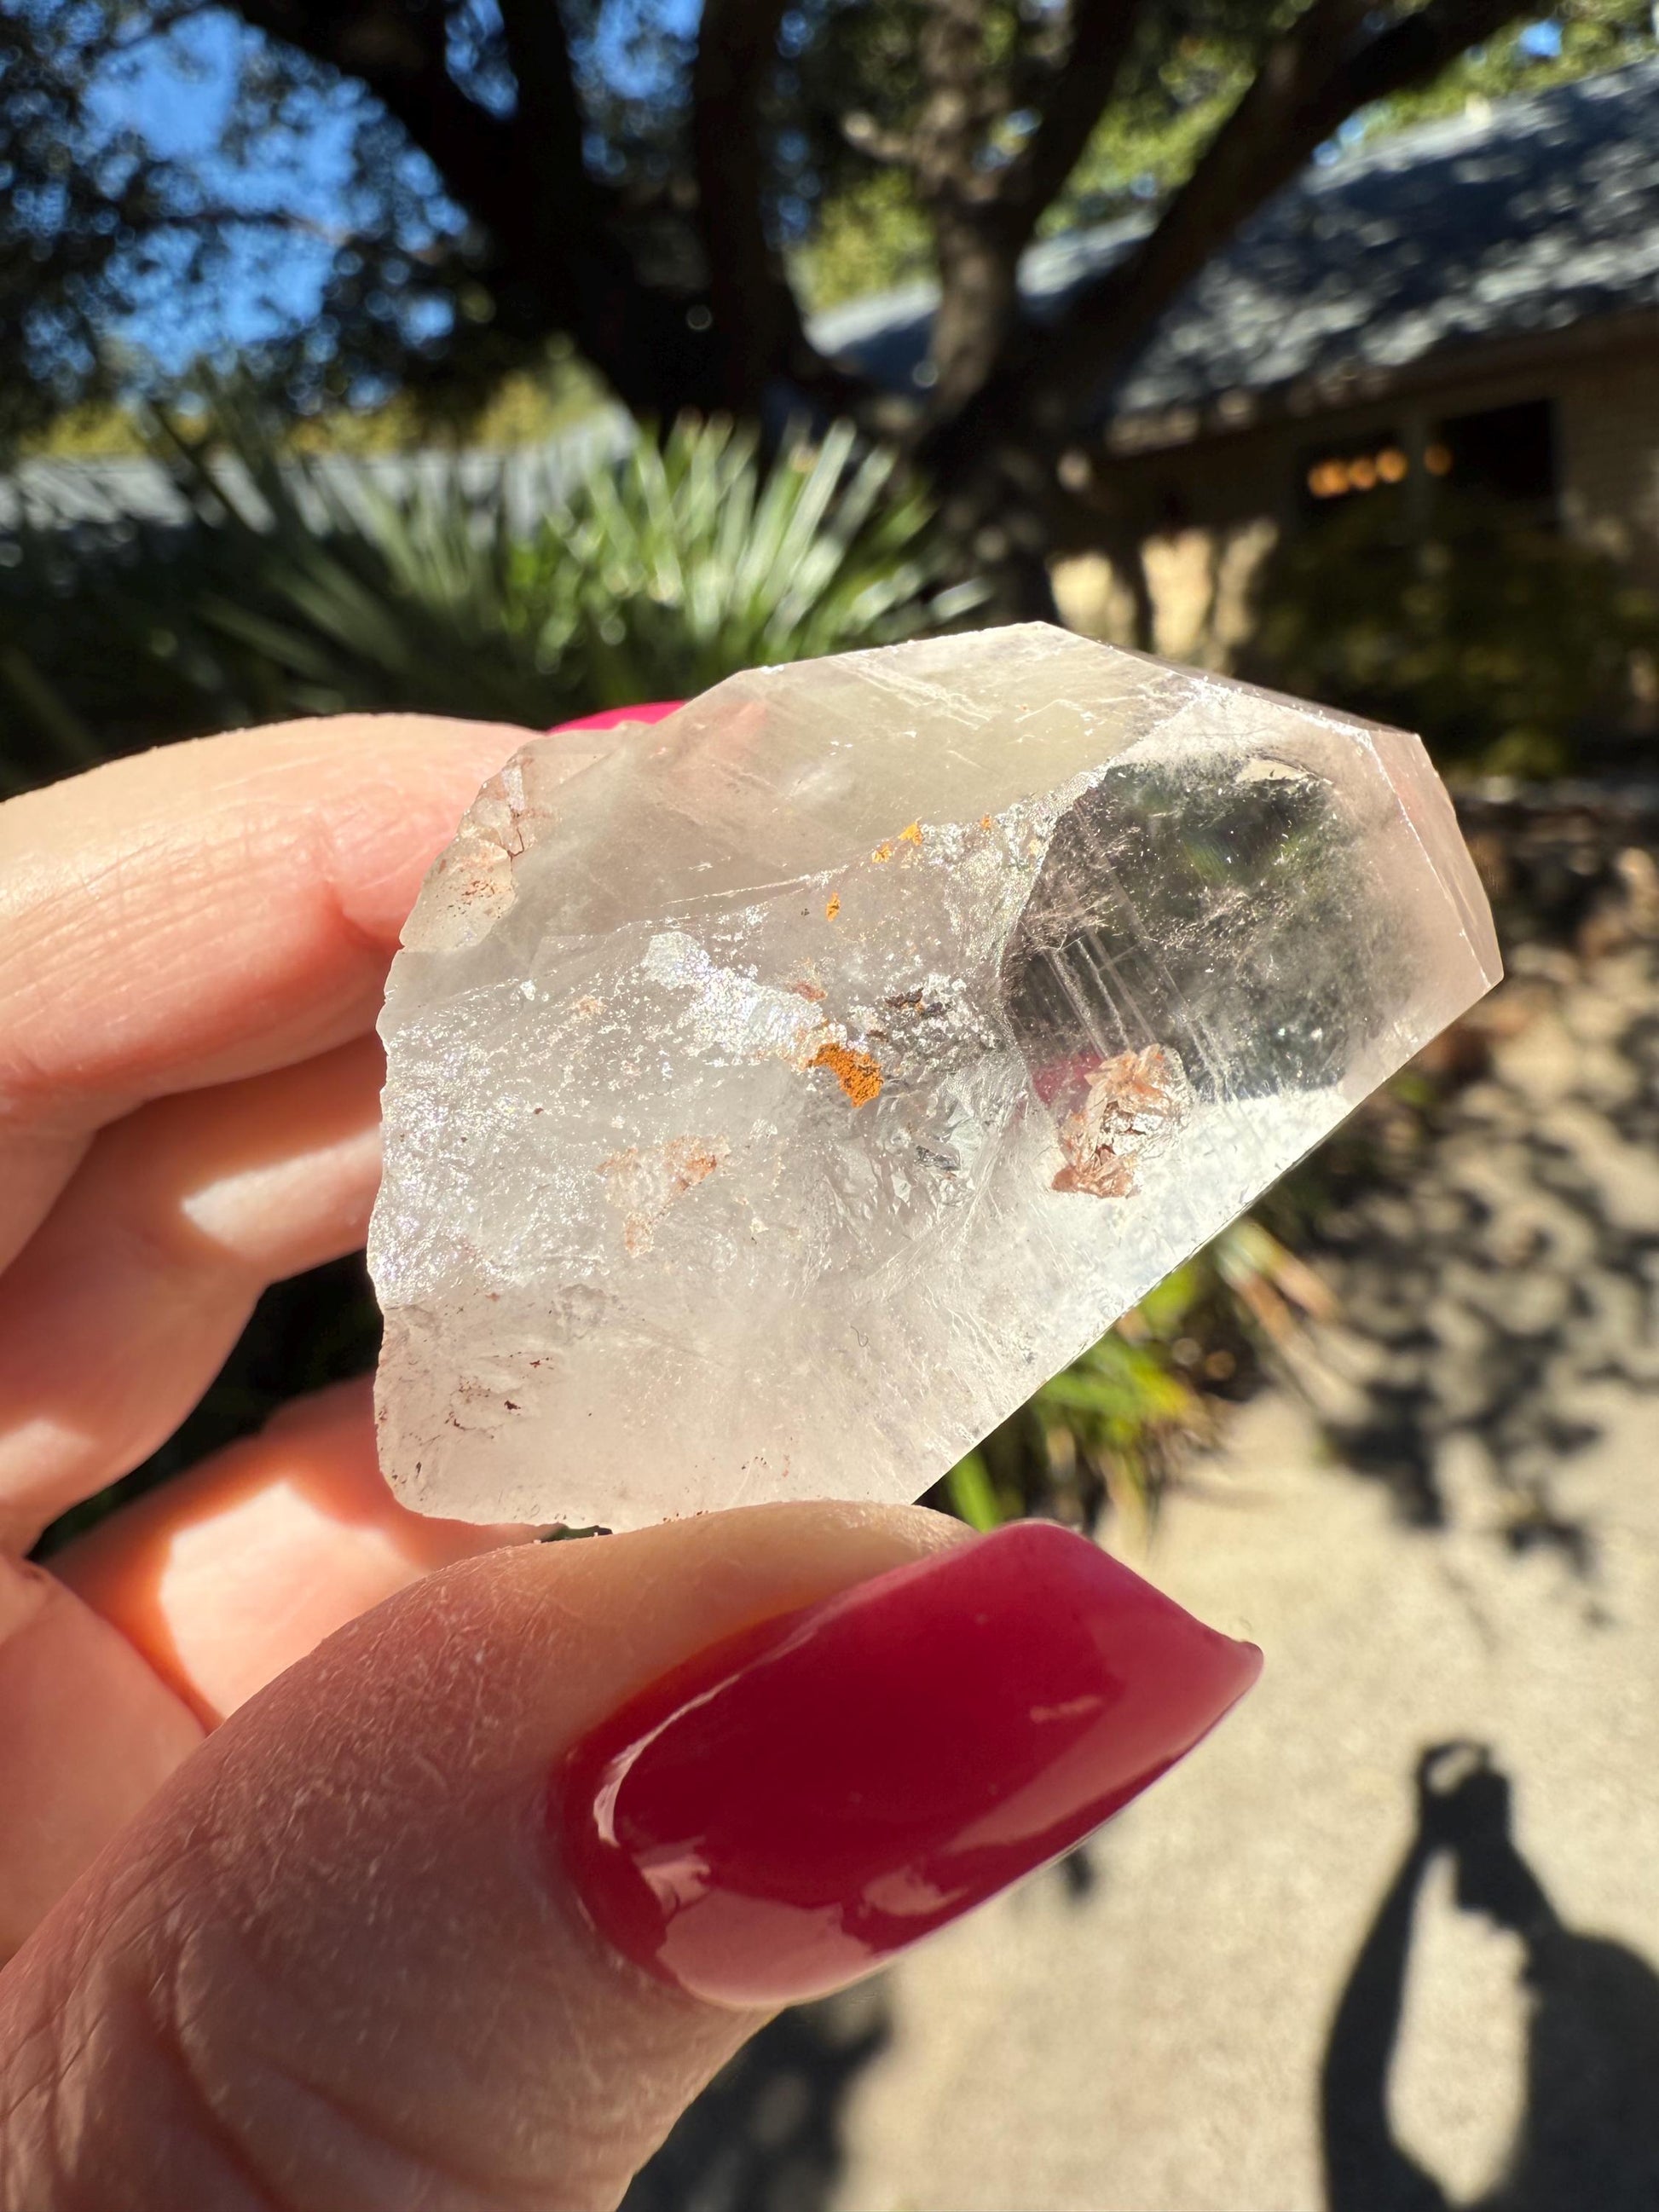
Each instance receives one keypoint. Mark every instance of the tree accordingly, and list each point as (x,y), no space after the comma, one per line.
(615,174)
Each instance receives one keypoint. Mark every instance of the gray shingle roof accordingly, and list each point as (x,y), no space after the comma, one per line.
(1541,213)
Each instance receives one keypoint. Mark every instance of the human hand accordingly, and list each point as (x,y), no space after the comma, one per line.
(1459,1793)
(486,1869)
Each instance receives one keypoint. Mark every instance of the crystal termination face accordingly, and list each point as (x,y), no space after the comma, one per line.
(777,1096)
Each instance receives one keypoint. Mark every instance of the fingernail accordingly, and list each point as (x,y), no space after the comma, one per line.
(785,1812)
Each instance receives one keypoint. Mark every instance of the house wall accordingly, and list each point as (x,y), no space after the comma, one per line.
(1206,514)
(1608,424)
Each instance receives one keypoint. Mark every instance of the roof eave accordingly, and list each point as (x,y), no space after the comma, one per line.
(1359,385)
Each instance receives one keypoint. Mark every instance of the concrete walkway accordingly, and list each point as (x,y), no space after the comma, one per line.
(1157,2041)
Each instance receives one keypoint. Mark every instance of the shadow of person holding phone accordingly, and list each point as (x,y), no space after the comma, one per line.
(1589,2138)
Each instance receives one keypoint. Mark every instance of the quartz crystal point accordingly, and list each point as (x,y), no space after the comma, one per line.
(776,1095)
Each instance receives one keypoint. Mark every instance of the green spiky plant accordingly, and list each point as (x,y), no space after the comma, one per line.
(651,572)
(1110,1429)
(691,561)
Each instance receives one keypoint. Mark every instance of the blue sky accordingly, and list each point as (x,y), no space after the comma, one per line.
(177,93)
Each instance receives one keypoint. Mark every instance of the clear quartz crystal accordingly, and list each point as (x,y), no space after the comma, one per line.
(776,1095)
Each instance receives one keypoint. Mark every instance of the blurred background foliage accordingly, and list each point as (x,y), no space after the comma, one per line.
(871,231)
(1109,1430)
(1519,648)
(649,570)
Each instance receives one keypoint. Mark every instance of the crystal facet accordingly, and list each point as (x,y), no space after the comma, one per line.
(777,1095)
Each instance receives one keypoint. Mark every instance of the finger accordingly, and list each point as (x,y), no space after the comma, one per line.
(205,911)
(463,1910)
(122,1307)
(88,1734)
(227,1575)
(175,1610)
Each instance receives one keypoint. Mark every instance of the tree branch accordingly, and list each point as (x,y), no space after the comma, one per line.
(407,71)
(961,100)
(549,119)
(984,217)
(1103,32)
(559,263)
(226,216)
(757,320)
(996,447)
(978,266)
(561,220)
(124,36)
(1312,79)
(891,149)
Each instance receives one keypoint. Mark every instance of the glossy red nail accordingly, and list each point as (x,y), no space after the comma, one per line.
(784,1812)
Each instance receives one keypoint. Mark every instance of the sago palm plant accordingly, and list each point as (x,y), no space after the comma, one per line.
(691,559)
(534,587)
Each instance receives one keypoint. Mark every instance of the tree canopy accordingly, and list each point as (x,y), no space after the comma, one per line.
(667,189)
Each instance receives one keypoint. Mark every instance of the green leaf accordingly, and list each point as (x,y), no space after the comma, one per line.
(972,1495)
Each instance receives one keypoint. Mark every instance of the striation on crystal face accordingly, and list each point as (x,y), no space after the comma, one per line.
(777,1095)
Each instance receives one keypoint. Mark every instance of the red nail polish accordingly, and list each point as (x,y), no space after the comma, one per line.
(784,1811)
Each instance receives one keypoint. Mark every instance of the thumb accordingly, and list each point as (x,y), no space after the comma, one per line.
(463,1910)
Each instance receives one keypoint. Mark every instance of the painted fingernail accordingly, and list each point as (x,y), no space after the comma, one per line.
(786,1811)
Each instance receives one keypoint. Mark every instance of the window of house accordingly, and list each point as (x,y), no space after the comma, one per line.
(1506,452)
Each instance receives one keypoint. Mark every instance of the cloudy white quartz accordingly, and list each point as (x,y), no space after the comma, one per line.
(777,1095)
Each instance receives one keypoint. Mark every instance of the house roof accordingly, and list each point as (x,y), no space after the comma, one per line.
(1526,217)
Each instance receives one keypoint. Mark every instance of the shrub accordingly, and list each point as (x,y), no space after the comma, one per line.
(1510,646)
(650,573)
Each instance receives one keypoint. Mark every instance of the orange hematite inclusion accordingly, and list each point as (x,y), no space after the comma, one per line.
(910,834)
(859,1073)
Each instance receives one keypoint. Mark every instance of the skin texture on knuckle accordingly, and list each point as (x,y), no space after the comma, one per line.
(337,1963)
(330,1971)
(161,2056)
(88,2037)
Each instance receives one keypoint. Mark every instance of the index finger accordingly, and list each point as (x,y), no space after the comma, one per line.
(206,911)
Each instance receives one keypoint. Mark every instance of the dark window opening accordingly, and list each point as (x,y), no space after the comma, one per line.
(1505,453)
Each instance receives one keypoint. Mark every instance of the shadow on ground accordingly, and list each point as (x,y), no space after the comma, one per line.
(765,2136)
(1497,1269)
(1589,2135)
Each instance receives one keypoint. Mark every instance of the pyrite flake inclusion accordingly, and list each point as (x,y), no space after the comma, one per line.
(777,1095)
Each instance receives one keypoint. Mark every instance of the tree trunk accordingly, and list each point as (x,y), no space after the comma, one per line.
(997,506)
(978,309)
